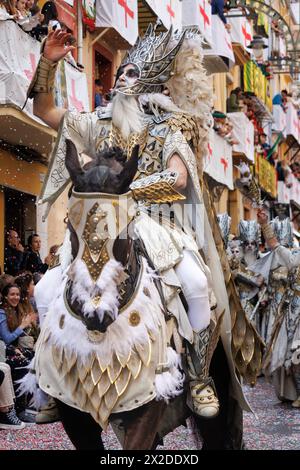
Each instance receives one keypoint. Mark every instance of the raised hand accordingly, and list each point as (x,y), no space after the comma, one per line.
(262,217)
(56,46)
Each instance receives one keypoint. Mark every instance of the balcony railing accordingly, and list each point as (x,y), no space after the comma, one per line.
(19,56)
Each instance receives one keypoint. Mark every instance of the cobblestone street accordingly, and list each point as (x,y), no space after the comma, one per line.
(275,426)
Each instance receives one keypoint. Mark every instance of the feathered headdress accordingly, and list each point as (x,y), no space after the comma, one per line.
(153,55)
(224,221)
(249,231)
(283,231)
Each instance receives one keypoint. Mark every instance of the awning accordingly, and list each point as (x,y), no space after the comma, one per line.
(218,161)
(122,15)
(243,131)
(21,131)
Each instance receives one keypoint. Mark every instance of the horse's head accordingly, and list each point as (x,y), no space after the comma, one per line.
(110,172)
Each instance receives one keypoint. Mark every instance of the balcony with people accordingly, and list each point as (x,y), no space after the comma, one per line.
(19,56)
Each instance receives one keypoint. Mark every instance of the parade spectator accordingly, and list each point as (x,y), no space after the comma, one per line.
(223,127)
(99,95)
(233,102)
(4,280)
(32,261)
(281,99)
(8,417)
(217,8)
(14,253)
(13,327)
(26,20)
(8,10)
(50,13)
(27,305)
(72,42)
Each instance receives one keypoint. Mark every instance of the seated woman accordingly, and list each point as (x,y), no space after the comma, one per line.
(8,10)
(12,328)
(26,20)
(27,304)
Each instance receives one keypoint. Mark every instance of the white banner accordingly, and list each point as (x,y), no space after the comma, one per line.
(77,91)
(19,55)
(122,15)
(279,119)
(294,189)
(17,67)
(292,122)
(241,31)
(198,13)
(218,161)
(221,44)
(291,193)
(168,11)
(283,193)
(243,131)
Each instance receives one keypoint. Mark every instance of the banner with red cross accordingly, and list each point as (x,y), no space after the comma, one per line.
(77,92)
(243,133)
(221,41)
(17,67)
(168,11)
(122,15)
(241,31)
(218,161)
(198,13)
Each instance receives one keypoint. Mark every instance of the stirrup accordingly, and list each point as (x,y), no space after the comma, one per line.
(204,399)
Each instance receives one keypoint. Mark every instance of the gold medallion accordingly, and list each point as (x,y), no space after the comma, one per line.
(134,318)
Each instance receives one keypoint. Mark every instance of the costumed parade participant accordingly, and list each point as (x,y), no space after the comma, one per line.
(243,251)
(111,341)
(274,267)
(282,361)
(250,285)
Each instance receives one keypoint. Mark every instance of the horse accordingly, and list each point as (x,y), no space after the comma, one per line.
(108,176)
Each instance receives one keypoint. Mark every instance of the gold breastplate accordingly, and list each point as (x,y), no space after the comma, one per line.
(151,141)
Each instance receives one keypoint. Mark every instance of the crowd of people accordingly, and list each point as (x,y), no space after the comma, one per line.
(35,21)
(19,329)
(265,259)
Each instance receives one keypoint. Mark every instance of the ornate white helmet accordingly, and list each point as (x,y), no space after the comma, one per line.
(283,231)
(153,55)
(249,231)
(224,221)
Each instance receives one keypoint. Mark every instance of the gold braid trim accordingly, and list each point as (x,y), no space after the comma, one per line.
(194,133)
(157,188)
(246,344)
(43,79)
(268,231)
